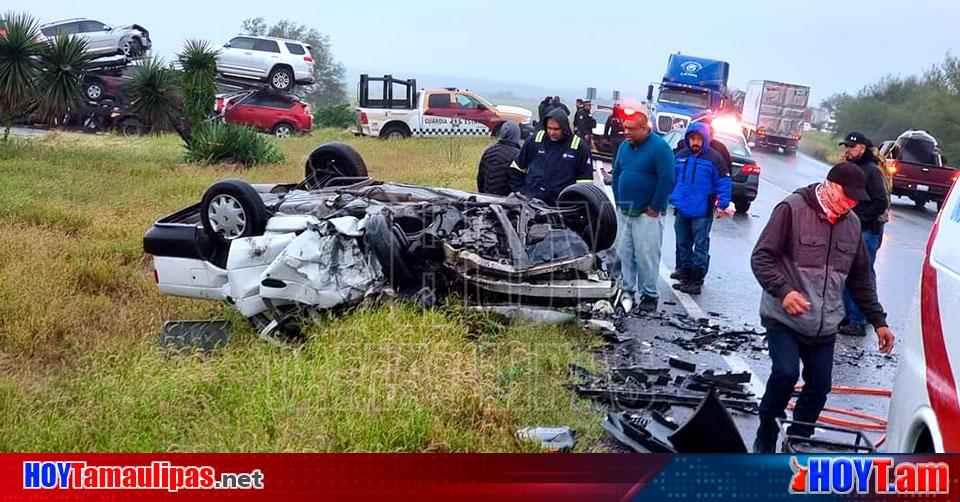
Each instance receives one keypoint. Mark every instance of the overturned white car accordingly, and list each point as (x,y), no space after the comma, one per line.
(280,252)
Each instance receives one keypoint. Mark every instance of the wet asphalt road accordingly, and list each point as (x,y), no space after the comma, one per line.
(731,294)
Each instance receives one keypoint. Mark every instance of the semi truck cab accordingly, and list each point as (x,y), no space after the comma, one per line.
(691,86)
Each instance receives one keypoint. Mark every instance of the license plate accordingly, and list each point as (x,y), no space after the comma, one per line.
(923,188)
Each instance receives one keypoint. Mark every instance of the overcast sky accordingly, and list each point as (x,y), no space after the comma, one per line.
(831,46)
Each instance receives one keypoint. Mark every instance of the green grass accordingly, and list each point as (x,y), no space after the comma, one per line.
(80,318)
(822,146)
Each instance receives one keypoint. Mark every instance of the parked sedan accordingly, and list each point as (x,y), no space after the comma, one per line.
(280,62)
(279,114)
(744,171)
(132,41)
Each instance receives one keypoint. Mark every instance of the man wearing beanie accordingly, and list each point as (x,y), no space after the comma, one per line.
(809,252)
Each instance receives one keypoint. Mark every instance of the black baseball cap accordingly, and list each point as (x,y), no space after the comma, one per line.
(851,178)
(856,138)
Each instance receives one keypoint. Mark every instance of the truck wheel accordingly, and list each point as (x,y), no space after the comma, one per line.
(231,209)
(394,131)
(332,160)
(742,205)
(595,219)
(389,245)
(281,79)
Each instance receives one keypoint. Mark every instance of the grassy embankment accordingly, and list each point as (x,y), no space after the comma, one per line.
(80,316)
(822,146)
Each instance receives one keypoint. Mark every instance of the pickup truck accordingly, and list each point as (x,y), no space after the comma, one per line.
(917,168)
(392,108)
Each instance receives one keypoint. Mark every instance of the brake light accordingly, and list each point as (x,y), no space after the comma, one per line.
(892,167)
(761,131)
(750,169)
(308,59)
(363,117)
(956,175)
(306,108)
(795,136)
(156,276)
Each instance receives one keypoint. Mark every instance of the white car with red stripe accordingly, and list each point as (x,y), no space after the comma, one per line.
(925,410)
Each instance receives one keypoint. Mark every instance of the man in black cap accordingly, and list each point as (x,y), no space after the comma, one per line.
(583,122)
(808,251)
(859,150)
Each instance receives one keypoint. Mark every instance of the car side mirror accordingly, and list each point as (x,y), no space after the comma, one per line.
(650,92)
(227,45)
(481,107)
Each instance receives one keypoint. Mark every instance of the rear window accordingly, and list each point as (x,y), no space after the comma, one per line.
(734,145)
(242,43)
(266,46)
(295,48)
(438,101)
(270,101)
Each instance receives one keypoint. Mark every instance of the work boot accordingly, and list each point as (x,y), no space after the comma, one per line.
(680,274)
(649,303)
(766,441)
(853,329)
(694,282)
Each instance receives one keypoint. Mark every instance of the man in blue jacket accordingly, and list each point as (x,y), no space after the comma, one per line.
(552,159)
(702,189)
(641,182)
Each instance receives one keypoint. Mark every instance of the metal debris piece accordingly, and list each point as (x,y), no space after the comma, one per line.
(680,364)
(711,429)
(552,439)
(859,444)
(603,307)
(639,431)
(190,335)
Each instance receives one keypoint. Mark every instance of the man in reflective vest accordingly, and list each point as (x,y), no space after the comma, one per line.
(552,159)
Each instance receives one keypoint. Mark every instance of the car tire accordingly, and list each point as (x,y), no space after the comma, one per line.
(394,131)
(332,160)
(741,205)
(231,209)
(390,247)
(919,201)
(595,219)
(130,127)
(132,49)
(93,91)
(283,130)
(281,79)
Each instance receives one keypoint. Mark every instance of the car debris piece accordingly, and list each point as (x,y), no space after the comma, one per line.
(600,326)
(858,444)
(552,439)
(640,432)
(191,335)
(604,308)
(680,364)
(540,315)
(710,430)
(634,398)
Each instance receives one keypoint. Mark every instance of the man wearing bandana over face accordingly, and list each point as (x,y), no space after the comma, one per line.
(810,250)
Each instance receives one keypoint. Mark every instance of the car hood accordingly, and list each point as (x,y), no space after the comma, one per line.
(514,110)
(132,27)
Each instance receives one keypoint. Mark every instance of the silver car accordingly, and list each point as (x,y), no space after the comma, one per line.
(280,62)
(131,41)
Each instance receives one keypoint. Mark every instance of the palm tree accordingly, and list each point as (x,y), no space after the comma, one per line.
(58,85)
(198,60)
(154,94)
(18,67)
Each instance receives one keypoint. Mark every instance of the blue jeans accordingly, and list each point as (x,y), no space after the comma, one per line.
(871,243)
(639,239)
(693,241)
(786,353)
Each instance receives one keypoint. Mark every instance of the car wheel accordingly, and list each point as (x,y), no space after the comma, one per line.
(132,49)
(919,201)
(332,160)
(742,205)
(281,79)
(390,247)
(231,209)
(282,130)
(94,91)
(594,218)
(91,125)
(130,127)
(394,131)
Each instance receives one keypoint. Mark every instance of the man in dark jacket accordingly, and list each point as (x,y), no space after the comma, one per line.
(808,251)
(493,177)
(551,160)
(583,122)
(641,182)
(556,103)
(859,150)
(703,189)
(545,107)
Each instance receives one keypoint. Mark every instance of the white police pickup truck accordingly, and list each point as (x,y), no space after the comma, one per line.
(393,108)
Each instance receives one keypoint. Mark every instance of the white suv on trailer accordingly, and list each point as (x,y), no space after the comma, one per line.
(280,62)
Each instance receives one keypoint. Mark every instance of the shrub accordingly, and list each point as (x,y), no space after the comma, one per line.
(338,116)
(214,142)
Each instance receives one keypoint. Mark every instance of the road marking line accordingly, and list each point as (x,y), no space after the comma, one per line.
(687,301)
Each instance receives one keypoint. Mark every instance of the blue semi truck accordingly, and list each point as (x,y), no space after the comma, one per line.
(691,86)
